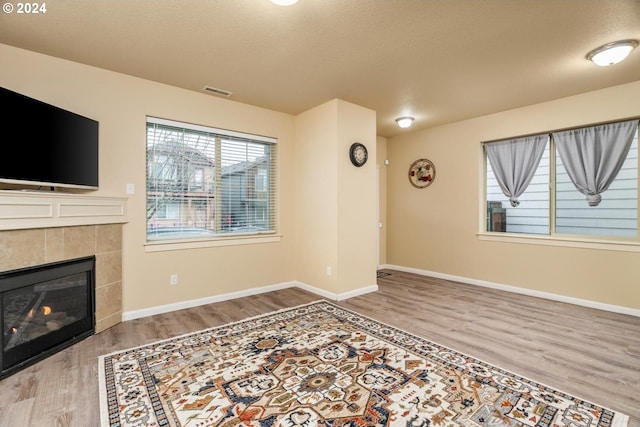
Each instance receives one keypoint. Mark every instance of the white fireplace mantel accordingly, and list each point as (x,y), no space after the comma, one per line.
(31,209)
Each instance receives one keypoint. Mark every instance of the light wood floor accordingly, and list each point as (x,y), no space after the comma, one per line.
(588,353)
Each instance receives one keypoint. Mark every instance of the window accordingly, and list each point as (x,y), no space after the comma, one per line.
(168,211)
(261,180)
(552,204)
(197,182)
(198,178)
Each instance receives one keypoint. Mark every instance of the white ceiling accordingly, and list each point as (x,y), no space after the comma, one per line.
(437,60)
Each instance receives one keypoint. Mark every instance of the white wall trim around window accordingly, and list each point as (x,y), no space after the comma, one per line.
(168,245)
(570,242)
(209,129)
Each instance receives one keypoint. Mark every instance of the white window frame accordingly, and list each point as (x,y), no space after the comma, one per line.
(553,239)
(228,238)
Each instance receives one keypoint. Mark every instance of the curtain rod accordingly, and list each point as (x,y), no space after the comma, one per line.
(562,129)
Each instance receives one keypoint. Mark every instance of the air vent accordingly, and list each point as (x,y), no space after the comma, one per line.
(216,91)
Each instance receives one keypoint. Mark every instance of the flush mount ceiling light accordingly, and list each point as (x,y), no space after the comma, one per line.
(612,53)
(284,2)
(404,122)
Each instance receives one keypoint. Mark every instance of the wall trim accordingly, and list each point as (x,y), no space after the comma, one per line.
(32,209)
(357,292)
(337,297)
(514,289)
(166,308)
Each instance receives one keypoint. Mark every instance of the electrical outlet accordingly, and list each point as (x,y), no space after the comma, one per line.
(173,279)
(329,272)
(131,189)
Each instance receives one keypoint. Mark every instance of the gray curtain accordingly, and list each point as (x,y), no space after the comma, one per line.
(594,155)
(514,162)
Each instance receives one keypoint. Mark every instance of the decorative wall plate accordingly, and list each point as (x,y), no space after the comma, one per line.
(422,172)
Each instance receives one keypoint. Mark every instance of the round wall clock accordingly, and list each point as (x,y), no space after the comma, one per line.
(358,154)
(422,173)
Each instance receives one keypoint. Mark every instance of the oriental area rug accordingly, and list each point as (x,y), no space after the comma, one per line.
(323,365)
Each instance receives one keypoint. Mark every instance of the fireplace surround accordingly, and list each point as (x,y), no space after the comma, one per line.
(38,228)
(44,309)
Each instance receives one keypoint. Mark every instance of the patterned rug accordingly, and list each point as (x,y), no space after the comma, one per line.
(321,364)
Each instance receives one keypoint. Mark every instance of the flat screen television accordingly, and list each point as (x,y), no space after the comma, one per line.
(46,146)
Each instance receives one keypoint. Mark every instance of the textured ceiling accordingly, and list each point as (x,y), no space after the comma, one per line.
(437,60)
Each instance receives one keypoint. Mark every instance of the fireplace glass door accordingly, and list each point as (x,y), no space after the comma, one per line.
(45,309)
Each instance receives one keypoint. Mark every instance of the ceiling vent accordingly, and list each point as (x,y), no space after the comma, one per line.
(216,91)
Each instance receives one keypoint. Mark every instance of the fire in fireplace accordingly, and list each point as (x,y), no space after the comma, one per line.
(45,309)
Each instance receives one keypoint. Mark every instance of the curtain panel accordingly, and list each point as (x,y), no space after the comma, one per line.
(514,163)
(593,156)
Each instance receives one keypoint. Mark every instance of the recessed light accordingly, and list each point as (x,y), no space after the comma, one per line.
(612,53)
(284,2)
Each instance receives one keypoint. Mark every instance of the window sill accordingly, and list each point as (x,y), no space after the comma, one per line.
(571,242)
(175,245)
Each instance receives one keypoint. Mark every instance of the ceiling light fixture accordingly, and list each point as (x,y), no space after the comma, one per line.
(612,53)
(404,122)
(284,2)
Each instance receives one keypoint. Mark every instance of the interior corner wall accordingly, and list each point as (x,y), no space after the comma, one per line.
(316,197)
(435,229)
(335,202)
(357,200)
(381,166)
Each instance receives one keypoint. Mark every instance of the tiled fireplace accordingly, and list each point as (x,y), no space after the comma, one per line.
(44,228)
(27,248)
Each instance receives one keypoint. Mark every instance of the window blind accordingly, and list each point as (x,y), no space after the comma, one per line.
(214,182)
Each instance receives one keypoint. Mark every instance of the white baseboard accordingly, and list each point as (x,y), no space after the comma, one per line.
(136,314)
(337,297)
(517,290)
(145,312)
(357,292)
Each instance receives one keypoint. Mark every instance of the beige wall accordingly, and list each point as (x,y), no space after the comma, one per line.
(120,103)
(357,206)
(316,208)
(435,229)
(335,203)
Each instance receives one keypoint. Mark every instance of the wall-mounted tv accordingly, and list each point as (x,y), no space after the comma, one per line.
(46,146)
